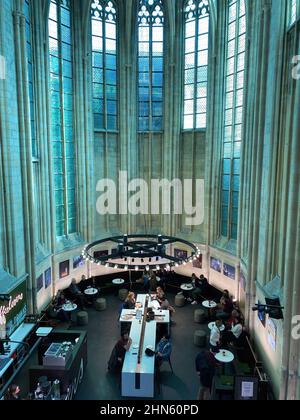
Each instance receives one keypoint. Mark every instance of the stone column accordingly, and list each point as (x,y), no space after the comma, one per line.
(25,154)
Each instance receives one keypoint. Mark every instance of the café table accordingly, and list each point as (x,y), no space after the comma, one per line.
(209,304)
(224,356)
(91,292)
(69,307)
(118,283)
(187,288)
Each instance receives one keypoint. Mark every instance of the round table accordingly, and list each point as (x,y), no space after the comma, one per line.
(90,291)
(187,287)
(69,307)
(224,356)
(118,282)
(209,304)
(212,324)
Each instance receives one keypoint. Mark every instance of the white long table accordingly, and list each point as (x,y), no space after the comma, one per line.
(138,379)
(161,316)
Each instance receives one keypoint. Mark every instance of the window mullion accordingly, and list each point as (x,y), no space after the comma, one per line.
(104,74)
(196,70)
(62,115)
(150,76)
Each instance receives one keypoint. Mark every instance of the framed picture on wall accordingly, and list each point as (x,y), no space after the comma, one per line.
(216,264)
(229,271)
(48,278)
(78,262)
(198,262)
(39,282)
(64,269)
(181,254)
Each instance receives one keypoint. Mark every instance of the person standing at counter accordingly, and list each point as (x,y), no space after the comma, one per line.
(117,357)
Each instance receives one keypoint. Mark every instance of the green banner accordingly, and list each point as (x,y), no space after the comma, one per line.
(15,310)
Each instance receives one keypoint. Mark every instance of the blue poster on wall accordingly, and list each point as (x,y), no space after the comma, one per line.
(215,264)
(78,262)
(229,271)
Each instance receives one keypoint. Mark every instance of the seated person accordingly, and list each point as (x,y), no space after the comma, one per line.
(225,306)
(201,287)
(163,350)
(129,301)
(58,307)
(146,280)
(165,305)
(215,337)
(153,283)
(235,334)
(76,294)
(117,357)
(159,293)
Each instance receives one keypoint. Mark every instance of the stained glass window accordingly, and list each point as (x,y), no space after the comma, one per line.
(233,115)
(150,65)
(61,109)
(196,15)
(104,58)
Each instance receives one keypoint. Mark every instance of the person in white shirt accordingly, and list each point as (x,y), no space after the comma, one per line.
(234,335)
(215,337)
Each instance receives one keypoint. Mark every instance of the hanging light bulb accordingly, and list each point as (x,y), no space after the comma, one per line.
(136,268)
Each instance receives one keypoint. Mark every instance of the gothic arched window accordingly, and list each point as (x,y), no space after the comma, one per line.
(233,115)
(196,15)
(62,114)
(104,61)
(150,65)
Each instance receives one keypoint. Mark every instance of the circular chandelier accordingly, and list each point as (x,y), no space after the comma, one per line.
(138,252)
